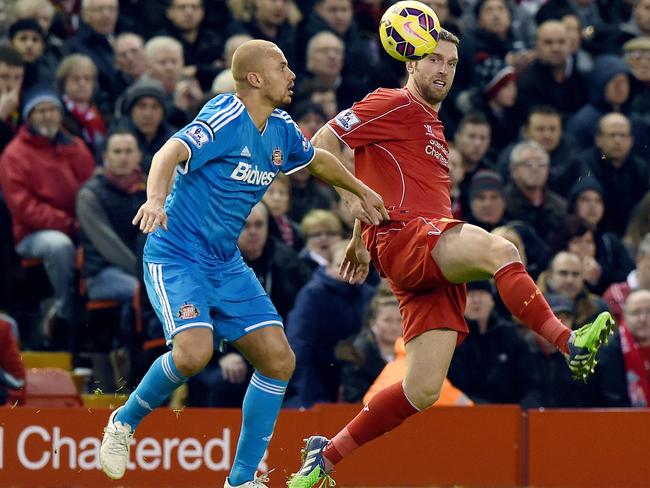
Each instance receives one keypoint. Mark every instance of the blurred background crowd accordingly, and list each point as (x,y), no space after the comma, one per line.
(548,123)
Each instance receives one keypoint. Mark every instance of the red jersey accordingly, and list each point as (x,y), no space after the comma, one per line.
(400,150)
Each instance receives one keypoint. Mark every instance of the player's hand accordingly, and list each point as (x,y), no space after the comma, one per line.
(356,264)
(591,270)
(233,368)
(371,208)
(151,215)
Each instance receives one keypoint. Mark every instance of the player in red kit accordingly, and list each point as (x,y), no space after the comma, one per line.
(427,256)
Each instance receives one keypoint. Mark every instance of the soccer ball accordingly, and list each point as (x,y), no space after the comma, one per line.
(409,30)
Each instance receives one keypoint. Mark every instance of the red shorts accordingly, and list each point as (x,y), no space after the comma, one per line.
(401,251)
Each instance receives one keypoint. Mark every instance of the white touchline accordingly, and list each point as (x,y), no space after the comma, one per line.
(2,438)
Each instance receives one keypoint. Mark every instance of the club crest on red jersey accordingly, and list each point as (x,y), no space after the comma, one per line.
(429,129)
(188,311)
(276,157)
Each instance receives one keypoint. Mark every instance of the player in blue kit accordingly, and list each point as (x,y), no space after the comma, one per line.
(195,276)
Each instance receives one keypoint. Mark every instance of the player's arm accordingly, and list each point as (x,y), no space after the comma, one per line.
(163,166)
(329,169)
(356,264)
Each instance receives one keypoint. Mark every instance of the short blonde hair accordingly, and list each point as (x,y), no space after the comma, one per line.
(317,217)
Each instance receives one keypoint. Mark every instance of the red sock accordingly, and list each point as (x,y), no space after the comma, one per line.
(387,409)
(524,300)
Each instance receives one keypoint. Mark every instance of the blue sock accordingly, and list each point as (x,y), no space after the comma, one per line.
(159,382)
(260,411)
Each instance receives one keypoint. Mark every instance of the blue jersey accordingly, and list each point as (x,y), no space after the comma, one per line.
(231,164)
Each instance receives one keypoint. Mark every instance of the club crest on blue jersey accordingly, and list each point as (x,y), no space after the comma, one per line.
(188,311)
(198,135)
(276,157)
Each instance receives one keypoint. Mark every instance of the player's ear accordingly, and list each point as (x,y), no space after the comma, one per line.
(254,79)
(410,66)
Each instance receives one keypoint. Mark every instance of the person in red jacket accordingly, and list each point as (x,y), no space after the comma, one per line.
(12,370)
(41,170)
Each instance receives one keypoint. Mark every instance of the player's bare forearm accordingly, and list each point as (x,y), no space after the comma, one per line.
(151,214)
(163,166)
(330,169)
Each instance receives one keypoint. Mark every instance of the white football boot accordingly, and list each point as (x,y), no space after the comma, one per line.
(258,482)
(114,453)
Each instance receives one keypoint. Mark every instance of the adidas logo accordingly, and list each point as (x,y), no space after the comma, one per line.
(245,152)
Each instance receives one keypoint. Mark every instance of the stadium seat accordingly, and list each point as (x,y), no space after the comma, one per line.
(50,387)
(44,359)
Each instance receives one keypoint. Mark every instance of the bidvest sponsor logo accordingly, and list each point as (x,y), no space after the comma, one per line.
(39,448)
(252,175)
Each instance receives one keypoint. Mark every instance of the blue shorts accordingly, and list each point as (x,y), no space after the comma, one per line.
(226,298)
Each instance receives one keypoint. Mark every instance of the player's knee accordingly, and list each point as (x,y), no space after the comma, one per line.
(423,397)
(502,252)
(190,361)
(281,366)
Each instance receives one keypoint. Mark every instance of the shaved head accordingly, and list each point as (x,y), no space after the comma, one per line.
(251,57)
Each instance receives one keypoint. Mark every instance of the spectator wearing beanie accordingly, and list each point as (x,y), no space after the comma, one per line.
(497,100)
(144,108)
(41,171)
(27,37)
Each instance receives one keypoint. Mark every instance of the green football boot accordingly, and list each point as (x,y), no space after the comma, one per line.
(585,344)
(312,473)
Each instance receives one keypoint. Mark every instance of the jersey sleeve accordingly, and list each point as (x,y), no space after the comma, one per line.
(299,149)
(372,119)
(212,133)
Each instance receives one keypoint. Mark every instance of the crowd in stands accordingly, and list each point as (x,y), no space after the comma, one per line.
(549,127)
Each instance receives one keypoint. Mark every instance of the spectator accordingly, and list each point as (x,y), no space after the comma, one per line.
(582,59)
(316,325)
(551,79)
(165,64)
(43,213)
(636,53)
(12,371)
(232,43)
(308,194)
(324,63)
(325,97)
(544,126)
(144,106)
(638,226)
(472,139)
(564,277)
(638,279)
(275,264)
(129,59)
(105,208)
(321,229)
(558,389)
(202,47)
(610,92)
(27,37)
(496,99)
(309,117)
(493,364)
(586,201)
(12,73)
(623,176)
(371,349)
(271,22)
(576,236)
(487,200)
(533,251)
(278,199)
(42,11)
(76,78)
(622,378)
(95,39)
(639,23)
(528,197)
(337,16)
